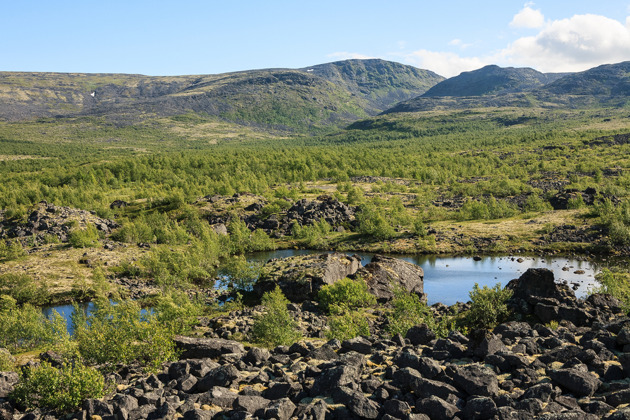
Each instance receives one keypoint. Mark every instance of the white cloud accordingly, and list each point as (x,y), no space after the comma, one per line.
(344,55)
(574,44)
(528,18)
(445,64)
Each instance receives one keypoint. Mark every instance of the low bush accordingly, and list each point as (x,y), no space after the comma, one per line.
(616,284)
(26,328)
(346,324)
(11,250)
(240,273)
(276,326)
(177,311)
(488,307)
(407,310)
(347,293)
(122,333)
(84,238)
(24,289)
(61,389)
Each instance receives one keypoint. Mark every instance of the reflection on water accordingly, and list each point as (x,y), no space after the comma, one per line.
(449,279)
(446,279)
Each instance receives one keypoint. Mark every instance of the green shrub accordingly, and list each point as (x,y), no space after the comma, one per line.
(347,324)
(24,289)
(241,273)
(616,284)
(407,310)
(177,311)
(121,333)
(84,238)
(488,307)
(535,203)
(373,222)
(61,389)
(348,293)
(576,202)
(312,236)
(276,326)
(26,328)
(7,361)
(11,250)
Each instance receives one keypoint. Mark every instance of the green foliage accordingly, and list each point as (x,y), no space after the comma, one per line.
(84,238)
(345,293)
(536,203)
(615,283)
(407,310)
(242,240)
(313,236)
(242,274)
(177,312)
(11,250)
(346,324)
(486,209)
(373,222)
(488,307)
(276,326)
(62,390)
(576,202)
(7,361)
(121,333)
(196,264)
(616,217)
(26,328)
(24,289)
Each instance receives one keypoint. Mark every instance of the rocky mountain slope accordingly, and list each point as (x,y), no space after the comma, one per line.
(492,80)
(311,99)
(492,86)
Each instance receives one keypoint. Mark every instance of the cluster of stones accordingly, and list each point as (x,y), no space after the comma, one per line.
(304,212)
(47,219)
(563,358)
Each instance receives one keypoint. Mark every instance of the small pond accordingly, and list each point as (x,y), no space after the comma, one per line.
(449,279)
(446,279)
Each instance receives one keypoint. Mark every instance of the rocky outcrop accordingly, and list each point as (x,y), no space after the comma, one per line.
(384,274)
(47,219)
(536,294)
(301,277)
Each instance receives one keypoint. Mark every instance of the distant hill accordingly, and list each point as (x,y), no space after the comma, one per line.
(492,86)
(313,99)
(492,80)
(607,80)
(381,83)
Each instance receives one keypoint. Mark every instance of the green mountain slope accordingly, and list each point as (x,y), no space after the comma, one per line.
(492,80)
(381,83)
(316,99)
(492,86)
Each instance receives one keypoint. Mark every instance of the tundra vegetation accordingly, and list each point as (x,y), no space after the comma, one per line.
(474,181)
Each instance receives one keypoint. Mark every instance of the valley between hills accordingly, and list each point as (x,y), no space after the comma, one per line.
(146,197)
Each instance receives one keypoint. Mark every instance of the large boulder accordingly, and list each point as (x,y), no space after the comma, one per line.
(201,348)
(384,274)
(537,293)
(301,277)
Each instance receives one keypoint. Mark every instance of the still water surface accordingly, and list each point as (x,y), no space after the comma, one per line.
(446,279)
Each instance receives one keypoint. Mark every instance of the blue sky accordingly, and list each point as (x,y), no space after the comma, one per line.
(204,37)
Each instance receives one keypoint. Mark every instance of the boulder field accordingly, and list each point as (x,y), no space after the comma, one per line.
(560,358)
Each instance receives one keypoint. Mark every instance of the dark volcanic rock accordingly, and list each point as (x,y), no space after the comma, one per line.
(576,381)
(536,293)
(383,274)
(199,348)
(475,380)
(301,277)
(420,335)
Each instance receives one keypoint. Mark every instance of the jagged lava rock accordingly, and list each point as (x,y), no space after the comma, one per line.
(383,274)
(301,277)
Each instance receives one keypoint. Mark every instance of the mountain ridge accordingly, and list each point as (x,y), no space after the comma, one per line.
(285,99)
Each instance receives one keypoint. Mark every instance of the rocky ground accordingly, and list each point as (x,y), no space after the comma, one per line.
(564,359)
